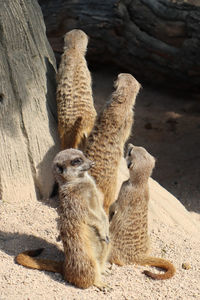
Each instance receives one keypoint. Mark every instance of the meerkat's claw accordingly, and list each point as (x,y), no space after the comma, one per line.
(107,240)
(104,287)
(106,272)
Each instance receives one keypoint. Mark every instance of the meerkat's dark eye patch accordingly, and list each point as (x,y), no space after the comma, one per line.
(129,165)
(76,161)
(59,169)
(129,151)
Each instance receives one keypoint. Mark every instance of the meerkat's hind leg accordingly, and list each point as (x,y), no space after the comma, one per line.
(61,136)
(82,138)
(76,133)
(83,142)
(72,138)
(65,141)
(109,198)
(112,210)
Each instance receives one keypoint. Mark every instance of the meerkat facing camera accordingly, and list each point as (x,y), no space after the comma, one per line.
(105,144)
(129,217)
(76,112)
(83,224)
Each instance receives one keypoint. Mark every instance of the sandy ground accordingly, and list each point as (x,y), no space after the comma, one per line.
(33,224)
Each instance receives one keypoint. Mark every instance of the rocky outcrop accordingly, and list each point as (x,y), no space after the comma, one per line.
(28,132)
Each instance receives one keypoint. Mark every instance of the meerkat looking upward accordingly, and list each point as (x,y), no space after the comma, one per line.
(76,113)
(83,224)
(105,144)
(129,217)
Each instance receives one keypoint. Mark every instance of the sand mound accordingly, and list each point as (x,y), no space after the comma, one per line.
(166,208)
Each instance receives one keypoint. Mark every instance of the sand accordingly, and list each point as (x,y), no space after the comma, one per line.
(174,235)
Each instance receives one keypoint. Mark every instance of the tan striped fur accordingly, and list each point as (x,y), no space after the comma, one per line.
(129,217)
(105,144)
(76,113)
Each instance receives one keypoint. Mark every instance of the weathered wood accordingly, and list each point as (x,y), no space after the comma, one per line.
(156,40)
(27,103)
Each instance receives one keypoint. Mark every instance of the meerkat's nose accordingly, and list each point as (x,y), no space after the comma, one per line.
(92,163)
(107,240)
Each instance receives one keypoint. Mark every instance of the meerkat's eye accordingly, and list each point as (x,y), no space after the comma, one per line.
(129,151)
(129,165)
(76,161)
(59,169)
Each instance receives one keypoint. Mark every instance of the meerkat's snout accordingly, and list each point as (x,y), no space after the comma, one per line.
(88,165)
(129,158)
(92,163)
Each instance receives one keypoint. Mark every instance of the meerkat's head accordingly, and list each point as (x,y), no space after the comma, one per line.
(140,163)
(70,164)
(76,39)
(126,85)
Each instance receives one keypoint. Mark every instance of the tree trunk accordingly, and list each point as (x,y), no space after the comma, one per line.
(156,40)
(27,103)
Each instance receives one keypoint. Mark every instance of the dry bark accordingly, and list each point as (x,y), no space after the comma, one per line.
(27,103)
(157,40)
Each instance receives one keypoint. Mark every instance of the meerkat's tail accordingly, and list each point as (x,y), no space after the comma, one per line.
(160,263)
(27,259)
(76,134)
(73,138)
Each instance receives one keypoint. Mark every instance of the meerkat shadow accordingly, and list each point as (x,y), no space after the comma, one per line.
(15,243)
(51,90)
(47,180)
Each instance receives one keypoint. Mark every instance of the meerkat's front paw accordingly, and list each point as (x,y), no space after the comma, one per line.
(106,272)
(103,287)
(106,239)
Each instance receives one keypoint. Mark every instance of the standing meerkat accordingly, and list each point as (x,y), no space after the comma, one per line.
(83,224)
(76,112)
(105,144)
(129,217)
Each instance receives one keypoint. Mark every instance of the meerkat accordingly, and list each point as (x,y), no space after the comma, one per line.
(83,224)
(76,112)
(105,144)
(129,217)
